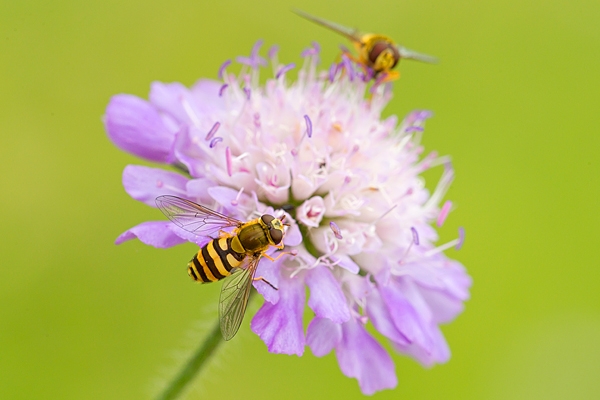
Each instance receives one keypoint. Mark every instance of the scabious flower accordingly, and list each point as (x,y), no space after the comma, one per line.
(317,149)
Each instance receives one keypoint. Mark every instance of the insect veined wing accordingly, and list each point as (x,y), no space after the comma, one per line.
(350,33)
(234,298)
(193,217)
(413,55)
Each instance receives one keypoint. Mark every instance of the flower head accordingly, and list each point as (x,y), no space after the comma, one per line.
(360,217)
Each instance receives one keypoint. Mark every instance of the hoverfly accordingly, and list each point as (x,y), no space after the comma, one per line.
(378,52)
(236,253)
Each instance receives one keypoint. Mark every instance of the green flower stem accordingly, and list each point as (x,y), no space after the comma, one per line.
(194,365)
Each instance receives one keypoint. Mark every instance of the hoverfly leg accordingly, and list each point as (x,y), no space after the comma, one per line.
(260,278)
(390,76)
(283,253)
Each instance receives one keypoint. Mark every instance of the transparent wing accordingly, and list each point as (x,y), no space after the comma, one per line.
(413,55)
(193,217)
(234,298)
(350,33)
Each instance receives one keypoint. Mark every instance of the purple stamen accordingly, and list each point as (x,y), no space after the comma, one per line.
(333,71)
(212,131)
(235,201)
(222,68)
(414,128)
(256,48)
(247,91)
(222,89)
(444,213)
(214,142)
(316,47)
(284,69)
(308,52)
(415,235)
(308,126)
(378,82)
(228,160)
(336,230)
(348,65)
(273,51)
(254,60)
(461,238)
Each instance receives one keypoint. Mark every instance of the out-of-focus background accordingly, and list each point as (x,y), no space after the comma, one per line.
(515,99)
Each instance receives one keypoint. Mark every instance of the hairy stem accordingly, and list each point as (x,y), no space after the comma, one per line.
(194,365)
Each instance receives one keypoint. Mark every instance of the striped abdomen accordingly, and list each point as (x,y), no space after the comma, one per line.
(214,261)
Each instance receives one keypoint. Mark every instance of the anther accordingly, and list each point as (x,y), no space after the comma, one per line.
(336,230)
(415,235)
(214,141)
(222,90)
(461,238)
(284,69)
(308,125)
(444,213)
(222,68)
(273,51)
(212,131)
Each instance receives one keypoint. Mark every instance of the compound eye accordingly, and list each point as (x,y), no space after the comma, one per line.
(267,219)
(276,235)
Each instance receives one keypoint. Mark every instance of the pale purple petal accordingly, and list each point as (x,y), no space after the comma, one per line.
(280,325)
(153,233)
(169,98)
(346,263)
(326,297)
(440,352)
(323,335)
(197,189)
(270,271)
(405,316)
(361,357)
(379,315)
(146,184)
(136,127)
(293,237)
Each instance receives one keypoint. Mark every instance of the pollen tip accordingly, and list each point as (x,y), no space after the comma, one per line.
(273,51)
(444,213)
(212,131)
(415,235)
(461,238)
(308,125)
(294,252)
(222,68)
(247,91)
(214,142)
(284,69)
(336,230)
(222,89)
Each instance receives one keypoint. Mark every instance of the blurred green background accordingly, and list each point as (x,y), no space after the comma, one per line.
(515,101)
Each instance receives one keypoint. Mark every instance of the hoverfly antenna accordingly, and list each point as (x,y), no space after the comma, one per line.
(282,218)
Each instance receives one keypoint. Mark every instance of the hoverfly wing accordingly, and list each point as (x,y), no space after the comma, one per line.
(234,298)
(193,217)
(413,55)
(350,33)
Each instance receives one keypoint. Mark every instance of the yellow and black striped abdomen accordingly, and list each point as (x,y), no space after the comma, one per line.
(214,261)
